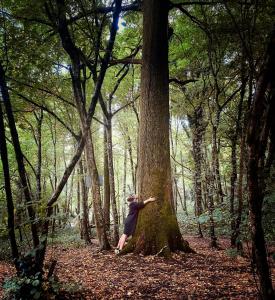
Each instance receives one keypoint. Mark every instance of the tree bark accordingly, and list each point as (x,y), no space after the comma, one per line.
(133,169)
(39,119)
(9,198)
(19,157)
(157,229)
(112,178)
(233,178)
(197,127)
(210,188)
(215,158)
(183,186)
(261,113)
(124,182)
(106,201)
(84,206)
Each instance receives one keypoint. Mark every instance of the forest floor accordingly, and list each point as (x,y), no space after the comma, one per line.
(208,274)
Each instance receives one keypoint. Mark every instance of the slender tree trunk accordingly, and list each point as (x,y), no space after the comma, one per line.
(210,186)
(215,159)
(98,211)
(19,157)
(236,233)
(112,179)
(234,162)
(78,207)
(183,186)
(39,119)
(130,150)
(106,183)
(197,136)
(9,198)
(124,183)
(157,228)
(84,206)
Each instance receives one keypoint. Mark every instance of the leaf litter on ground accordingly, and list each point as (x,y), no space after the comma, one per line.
(207,274)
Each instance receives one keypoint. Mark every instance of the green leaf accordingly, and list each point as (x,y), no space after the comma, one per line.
(203,219)
(36,282)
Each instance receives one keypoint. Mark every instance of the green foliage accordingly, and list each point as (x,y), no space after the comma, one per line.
(24,287)
(232,252)
(67,237)
(31,288)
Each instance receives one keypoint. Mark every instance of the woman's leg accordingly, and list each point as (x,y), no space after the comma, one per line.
(121,241)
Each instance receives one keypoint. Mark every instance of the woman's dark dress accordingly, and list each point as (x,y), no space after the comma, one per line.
(131,220)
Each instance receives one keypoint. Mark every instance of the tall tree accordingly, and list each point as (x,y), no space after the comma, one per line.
(9,198)
(19,156)
(259,129)
(157,228)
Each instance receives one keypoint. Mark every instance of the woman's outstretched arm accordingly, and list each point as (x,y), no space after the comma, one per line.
(151,199)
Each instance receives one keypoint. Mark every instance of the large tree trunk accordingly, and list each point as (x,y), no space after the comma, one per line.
(259,128)
(157,228)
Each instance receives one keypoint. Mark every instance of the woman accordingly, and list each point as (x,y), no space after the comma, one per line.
(131,220)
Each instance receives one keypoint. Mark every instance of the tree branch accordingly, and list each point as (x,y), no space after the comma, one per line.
(47,110)
(181,82)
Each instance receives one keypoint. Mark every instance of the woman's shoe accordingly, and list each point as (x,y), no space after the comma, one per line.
(117,251)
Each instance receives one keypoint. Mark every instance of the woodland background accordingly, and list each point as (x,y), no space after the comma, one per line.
(70,74)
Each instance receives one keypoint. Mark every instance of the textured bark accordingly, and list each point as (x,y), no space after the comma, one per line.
(198,128)
(183,186)
(233,178)
(124,183)
(39,119)
(259,128)
(133,169)
(98,211)
(210,189)
(9,198)
(112,179)
(237,223)
(106,201)
(84,206)
(215,158)
(157,228)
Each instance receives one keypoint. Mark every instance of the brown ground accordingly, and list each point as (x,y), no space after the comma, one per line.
(209,274)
